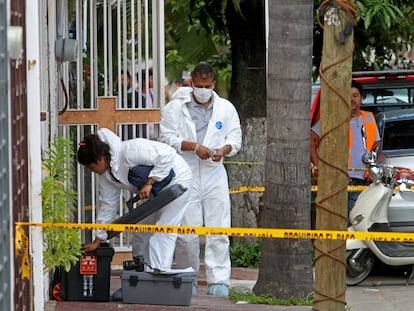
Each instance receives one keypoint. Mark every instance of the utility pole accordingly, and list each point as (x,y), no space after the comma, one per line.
(331,201)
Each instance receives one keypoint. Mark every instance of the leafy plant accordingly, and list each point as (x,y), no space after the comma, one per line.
(62,247)
(245,254)
(383,10)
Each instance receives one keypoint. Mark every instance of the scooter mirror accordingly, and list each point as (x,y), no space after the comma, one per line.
(369,157)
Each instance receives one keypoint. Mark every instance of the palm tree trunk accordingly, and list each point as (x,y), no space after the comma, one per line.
(286,265)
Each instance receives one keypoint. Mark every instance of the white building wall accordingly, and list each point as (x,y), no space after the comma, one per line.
(35,61)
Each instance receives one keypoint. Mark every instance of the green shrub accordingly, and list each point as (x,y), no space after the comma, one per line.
(62,247)
(245,254)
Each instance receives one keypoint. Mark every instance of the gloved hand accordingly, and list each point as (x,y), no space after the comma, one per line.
(92,246)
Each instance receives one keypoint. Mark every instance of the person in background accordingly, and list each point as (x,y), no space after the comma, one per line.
(183,80)
(125,84)
(147,95)
(186,78)
(204,128)
(129,131)
(363,136)
(178,82)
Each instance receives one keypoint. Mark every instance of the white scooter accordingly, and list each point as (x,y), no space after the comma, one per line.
(370,214)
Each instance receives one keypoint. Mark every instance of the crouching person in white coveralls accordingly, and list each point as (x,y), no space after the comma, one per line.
(113,160)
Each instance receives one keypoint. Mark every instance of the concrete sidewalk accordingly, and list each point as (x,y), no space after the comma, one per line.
(242,279)
(381,293)
(377,293)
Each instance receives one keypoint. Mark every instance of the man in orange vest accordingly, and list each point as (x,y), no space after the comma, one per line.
(363,136)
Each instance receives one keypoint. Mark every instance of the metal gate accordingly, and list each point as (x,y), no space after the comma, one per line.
(5,247)
(120,55)
(19,164)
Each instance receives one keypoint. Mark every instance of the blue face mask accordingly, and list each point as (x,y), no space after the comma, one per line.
(202,95)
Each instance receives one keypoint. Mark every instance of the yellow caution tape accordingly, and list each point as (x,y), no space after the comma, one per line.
(247,189)
(251,232)
(21,240)
(350,188)
(21,245)
(262,189)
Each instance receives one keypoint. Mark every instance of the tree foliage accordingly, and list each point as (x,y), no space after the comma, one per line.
(198,30)
(195,32)
(382,35)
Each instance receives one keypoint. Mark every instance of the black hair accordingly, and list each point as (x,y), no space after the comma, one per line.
(128,74)
(91,148)
(150,74)
(179,80)
(358,86)
(202,70)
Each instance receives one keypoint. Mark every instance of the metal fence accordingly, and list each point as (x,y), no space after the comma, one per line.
(120,53)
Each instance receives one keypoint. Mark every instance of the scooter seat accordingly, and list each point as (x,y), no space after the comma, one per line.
(392,248)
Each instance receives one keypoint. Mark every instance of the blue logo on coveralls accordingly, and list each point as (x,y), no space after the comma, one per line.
(219,125)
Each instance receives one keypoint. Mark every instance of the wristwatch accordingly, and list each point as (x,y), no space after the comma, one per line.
(150,182)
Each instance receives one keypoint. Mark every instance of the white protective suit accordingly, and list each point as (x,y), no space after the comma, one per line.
(210,200)
(127,154)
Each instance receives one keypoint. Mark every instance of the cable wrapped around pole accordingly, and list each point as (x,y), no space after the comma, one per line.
(331,211)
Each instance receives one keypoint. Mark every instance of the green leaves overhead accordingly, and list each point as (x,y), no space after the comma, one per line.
(382,12)
(383,34)
(196,31)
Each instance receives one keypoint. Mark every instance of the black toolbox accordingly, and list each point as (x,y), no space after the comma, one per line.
(88,280)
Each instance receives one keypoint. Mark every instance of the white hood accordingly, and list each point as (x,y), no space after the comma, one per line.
(114,143)
(183,93)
